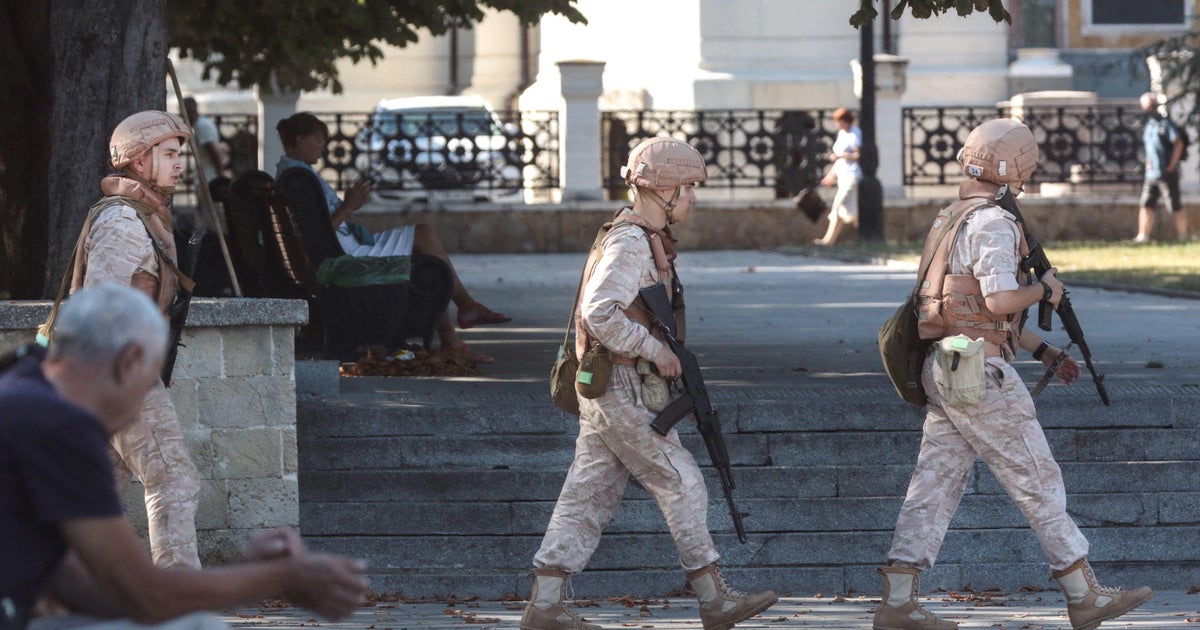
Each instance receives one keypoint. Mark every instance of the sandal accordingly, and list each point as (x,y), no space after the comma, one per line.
(465,350)
(476,314)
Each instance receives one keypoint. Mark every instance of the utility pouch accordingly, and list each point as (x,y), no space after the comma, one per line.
(562,379)
(961,360)
(595,370)
(655,393)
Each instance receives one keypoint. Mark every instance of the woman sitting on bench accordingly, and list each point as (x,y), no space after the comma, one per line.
(304,137)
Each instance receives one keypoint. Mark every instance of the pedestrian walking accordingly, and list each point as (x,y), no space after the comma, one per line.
(615,437)
(1164,145)
(973,304)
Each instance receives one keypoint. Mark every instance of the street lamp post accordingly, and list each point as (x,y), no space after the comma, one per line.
(870,192)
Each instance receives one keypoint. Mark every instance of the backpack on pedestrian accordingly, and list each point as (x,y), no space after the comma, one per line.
(1163,131)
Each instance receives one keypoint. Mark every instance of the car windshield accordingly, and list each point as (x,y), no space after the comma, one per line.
(436,122)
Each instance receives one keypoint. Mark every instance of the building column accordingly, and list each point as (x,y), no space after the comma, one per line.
(890,78)
(272,108)
(579,153)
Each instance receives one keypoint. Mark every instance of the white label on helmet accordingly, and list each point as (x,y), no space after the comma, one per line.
(974,171)
(1003,170)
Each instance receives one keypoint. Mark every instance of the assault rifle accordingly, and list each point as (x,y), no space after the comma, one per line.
(1038,264)
(693,401)
(178,310)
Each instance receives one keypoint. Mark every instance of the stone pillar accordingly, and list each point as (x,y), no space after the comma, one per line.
(582,84)
(272,108)
(1038,70)
(890,81)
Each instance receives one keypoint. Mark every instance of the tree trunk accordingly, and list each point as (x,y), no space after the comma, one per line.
(92,63)
(24,146)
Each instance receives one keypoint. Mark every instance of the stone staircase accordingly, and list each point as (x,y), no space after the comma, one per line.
(447,489)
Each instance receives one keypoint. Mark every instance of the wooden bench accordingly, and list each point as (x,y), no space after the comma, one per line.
(280,234)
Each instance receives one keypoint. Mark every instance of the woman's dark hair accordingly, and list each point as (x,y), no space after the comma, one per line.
(301,124)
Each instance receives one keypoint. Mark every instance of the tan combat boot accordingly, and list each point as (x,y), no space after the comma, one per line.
(899,610)
(722,607)
(1088,603)
(546,610)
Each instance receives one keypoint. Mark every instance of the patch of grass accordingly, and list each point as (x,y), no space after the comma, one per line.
(1173,266)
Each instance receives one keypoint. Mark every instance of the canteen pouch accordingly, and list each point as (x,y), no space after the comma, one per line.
(655,394)
(562,380)
(961,360)
(595,370)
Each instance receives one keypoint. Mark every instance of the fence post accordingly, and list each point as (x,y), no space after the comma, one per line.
(890,78)
(272,108)
(582,84)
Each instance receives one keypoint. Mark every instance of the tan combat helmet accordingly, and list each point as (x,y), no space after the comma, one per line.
(1001,151)
(141,131)
(663,163)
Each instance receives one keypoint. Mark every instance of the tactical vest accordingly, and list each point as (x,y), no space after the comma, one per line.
(636,312)
(169,275)
(950,304)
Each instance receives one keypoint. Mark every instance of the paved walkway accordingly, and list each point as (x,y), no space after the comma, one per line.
(1020,611)
(793,325)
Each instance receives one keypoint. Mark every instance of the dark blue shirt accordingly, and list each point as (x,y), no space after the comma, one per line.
(54,467)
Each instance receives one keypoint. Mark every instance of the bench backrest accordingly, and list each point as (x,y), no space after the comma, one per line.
(263,233)
(307,200)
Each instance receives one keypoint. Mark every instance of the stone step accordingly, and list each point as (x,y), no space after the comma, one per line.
(752,482)
(645,564)
(656,550)
(448,498)
(804,580)
(879,410)
(638,514)
(393,452)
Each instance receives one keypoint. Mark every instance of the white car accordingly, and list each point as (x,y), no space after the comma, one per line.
(441,148)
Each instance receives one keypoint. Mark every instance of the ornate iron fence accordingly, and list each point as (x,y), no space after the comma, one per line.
(1081,144)
(239,139)
(411,155)
(780,149)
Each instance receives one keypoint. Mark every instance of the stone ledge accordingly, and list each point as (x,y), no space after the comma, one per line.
(223,312)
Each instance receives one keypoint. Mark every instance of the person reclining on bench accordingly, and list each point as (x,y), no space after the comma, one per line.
(304,137)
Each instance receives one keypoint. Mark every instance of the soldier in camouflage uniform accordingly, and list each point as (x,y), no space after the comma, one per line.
(985,296)
(128,239)
(615,438)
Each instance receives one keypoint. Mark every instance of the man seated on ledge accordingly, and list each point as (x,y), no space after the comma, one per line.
(62,533)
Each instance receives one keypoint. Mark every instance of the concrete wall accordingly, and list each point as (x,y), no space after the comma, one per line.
(235,391)
(570,227)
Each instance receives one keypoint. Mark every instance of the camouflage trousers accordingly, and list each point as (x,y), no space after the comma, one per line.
(615,440)
(1003,430)
(153,449)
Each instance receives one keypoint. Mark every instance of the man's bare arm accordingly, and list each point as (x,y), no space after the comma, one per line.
(110,550)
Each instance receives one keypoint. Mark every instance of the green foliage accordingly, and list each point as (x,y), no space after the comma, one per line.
(294,44)
(925,9)
(1180,59)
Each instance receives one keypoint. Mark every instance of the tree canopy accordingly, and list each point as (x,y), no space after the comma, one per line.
(925,9)
(1179,58)
(294,45)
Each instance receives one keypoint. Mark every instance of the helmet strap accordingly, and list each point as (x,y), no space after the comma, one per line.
(667,205)
(154,165)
